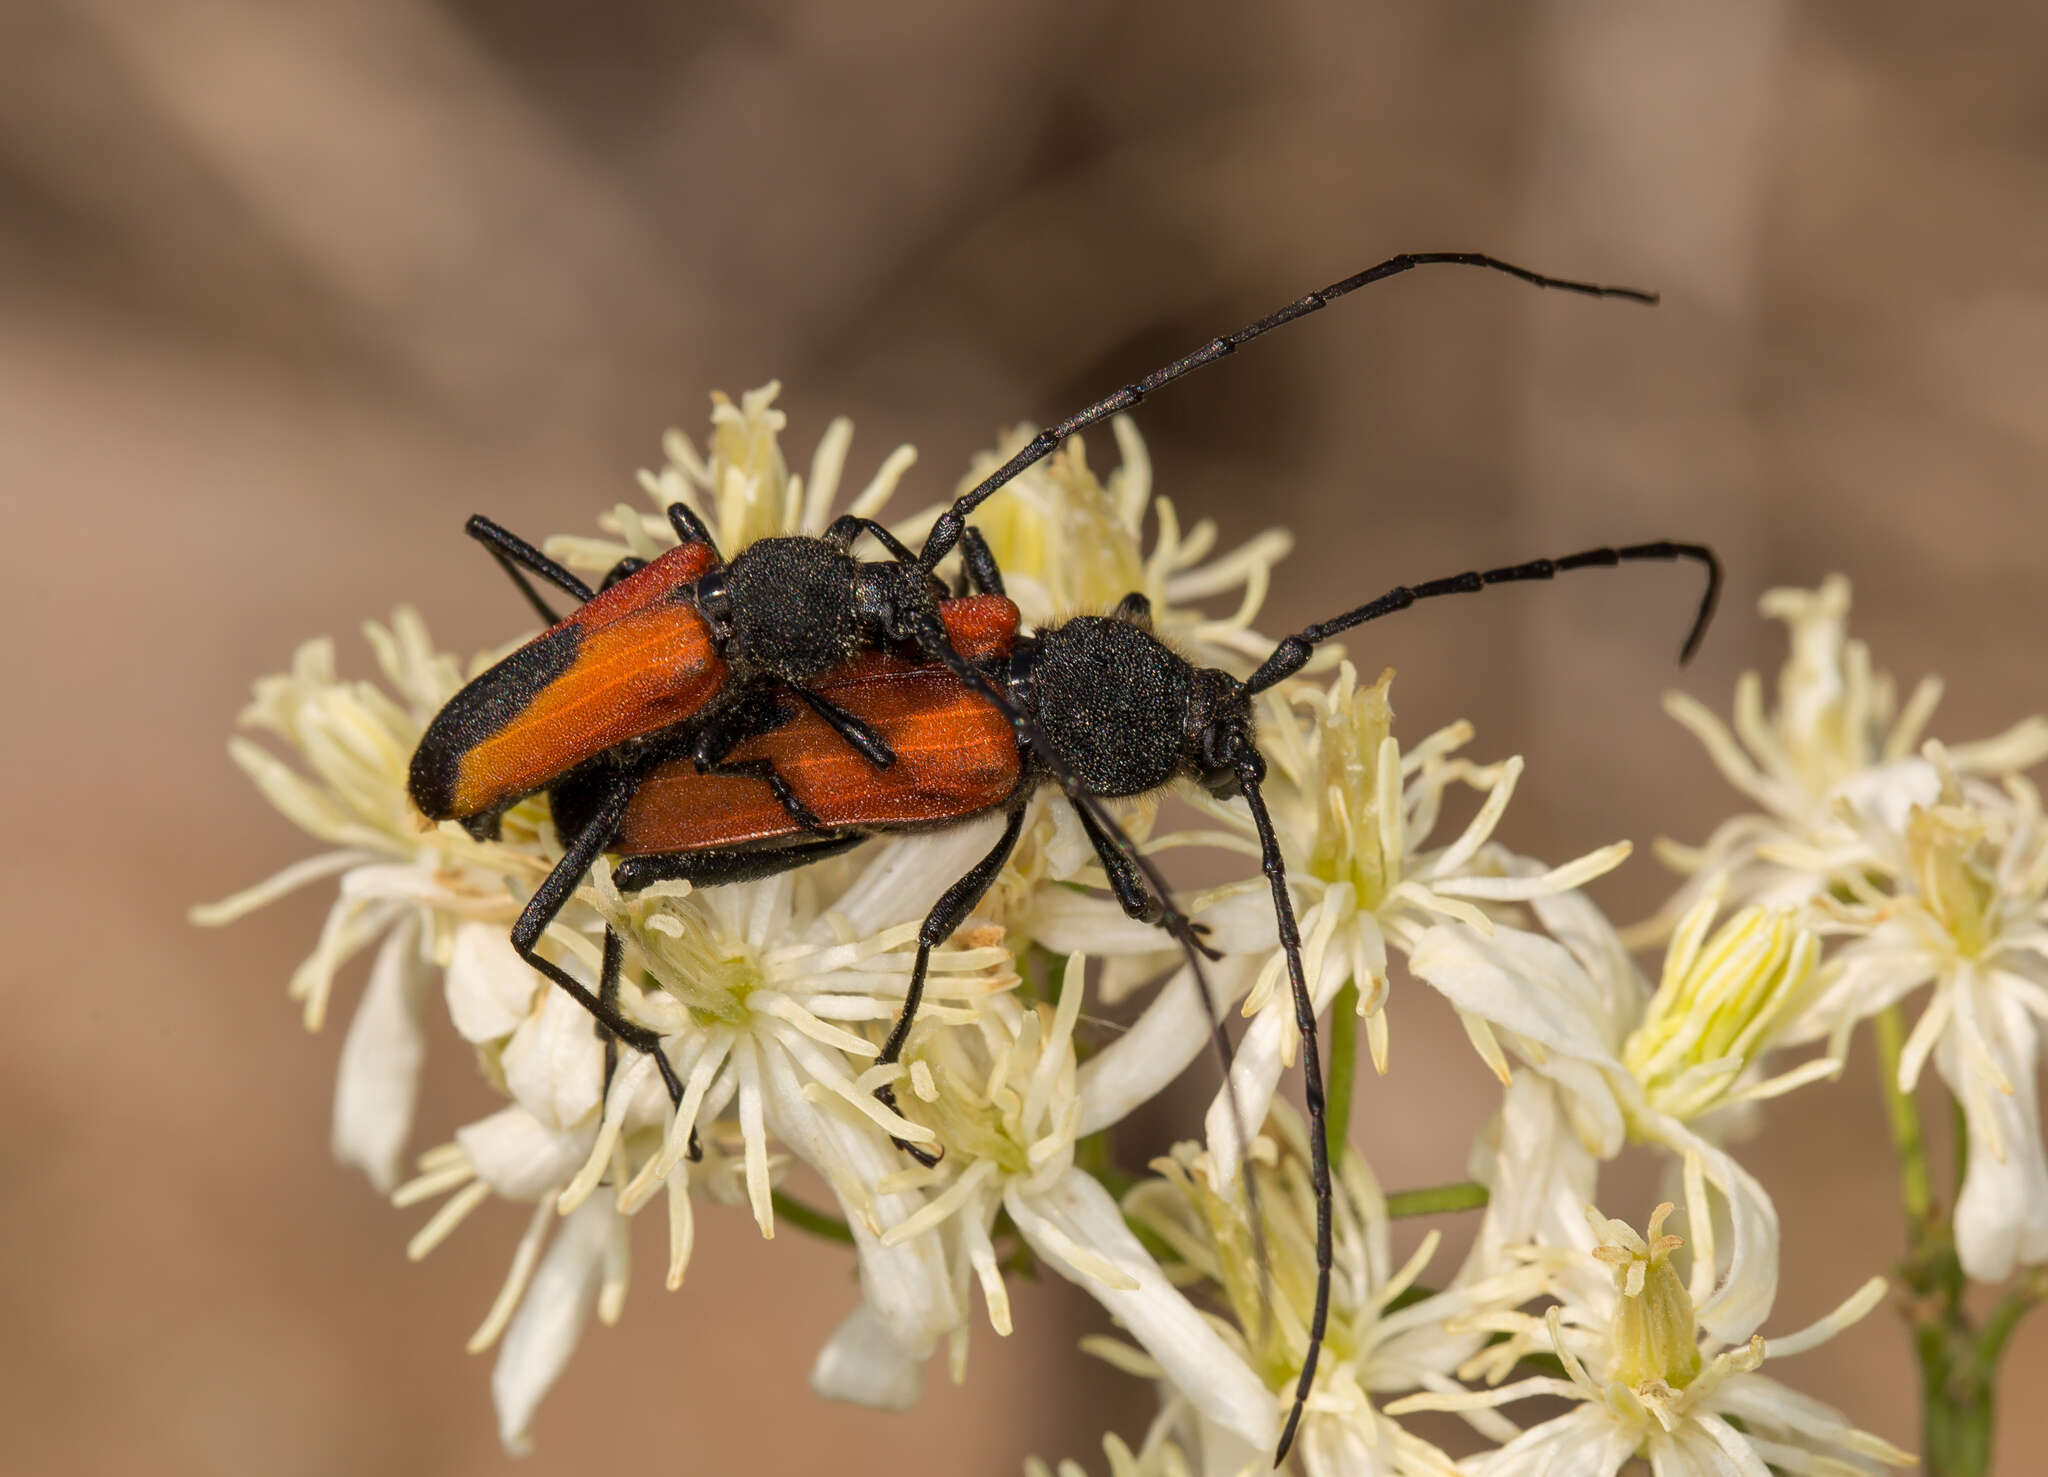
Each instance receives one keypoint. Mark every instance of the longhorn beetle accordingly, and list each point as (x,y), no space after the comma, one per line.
(685,672)
(689,639)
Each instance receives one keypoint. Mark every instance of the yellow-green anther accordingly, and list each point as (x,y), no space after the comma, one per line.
(1722,997)
(1957,888)
(1362,831)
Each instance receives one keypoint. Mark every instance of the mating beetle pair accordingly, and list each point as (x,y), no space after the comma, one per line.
(717,722)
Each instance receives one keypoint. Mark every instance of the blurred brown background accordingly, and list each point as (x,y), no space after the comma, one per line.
(287,289)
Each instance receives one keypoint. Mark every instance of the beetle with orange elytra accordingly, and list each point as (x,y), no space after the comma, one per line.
(718,722)
(694,648)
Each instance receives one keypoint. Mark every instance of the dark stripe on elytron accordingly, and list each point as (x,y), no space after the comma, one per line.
(483,709)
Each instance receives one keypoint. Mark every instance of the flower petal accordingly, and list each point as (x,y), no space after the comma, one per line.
(550,1320)
(1194,1357)
(519,1156)
(489,987)
(862,1363)
(554,1063)
(908,1286)
(1169,1034)
(1521,981)
(377,1086)
(1538,1175)
(2002,1213)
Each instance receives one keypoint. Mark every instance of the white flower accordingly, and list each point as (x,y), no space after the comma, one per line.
(1836,735)
(1001,1099)
(1644,1380)
(400,880)
(1623,1063)
(1969,916)
(743,488)
(770,998)
(1377,1344)
(1069,544)
(1355,815)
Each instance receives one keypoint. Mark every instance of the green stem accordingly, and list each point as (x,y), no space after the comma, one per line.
(1904,1116)
(1436,1199)
(1958,1359)
(1343,1073)
(805,1218)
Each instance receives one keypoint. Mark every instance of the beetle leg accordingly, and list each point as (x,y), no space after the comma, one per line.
(514,554)
(765,771)
(715,868)
(859,735)
(850,526)
(549,899)
(981,570)
(690,529)
(1128,886)
(608,996)
(760,713)
(947,914)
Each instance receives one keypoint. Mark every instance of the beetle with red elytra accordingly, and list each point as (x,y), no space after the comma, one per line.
(713,722)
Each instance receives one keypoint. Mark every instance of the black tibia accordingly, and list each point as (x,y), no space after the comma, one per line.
(765,771)
(1129,887)
(515,555)
(549,899)
(763,708)
(1124,880)
(947,530)
(859,736)
(947,914)
(608,996)
(690,528)
(1291,655)
(850,526)
(1252,770)
(1135,609)
(980,569)
(716,868)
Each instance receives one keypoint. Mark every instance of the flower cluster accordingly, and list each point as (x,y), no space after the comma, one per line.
(1876,864)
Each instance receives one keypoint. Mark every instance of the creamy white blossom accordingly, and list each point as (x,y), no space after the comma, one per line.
(1622,1063)
(1002,1101)
(400,881)
(1379,1343)
(770,996)
(1644,1381)
(1968,915)
(1356,816)
(1069,543)
(740,485)
(1837,740)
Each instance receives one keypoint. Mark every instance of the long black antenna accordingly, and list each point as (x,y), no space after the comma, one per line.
(1292,654)
(946,532)
(1251,769)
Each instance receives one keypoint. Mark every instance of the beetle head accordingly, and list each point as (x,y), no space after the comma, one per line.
(1220,735)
